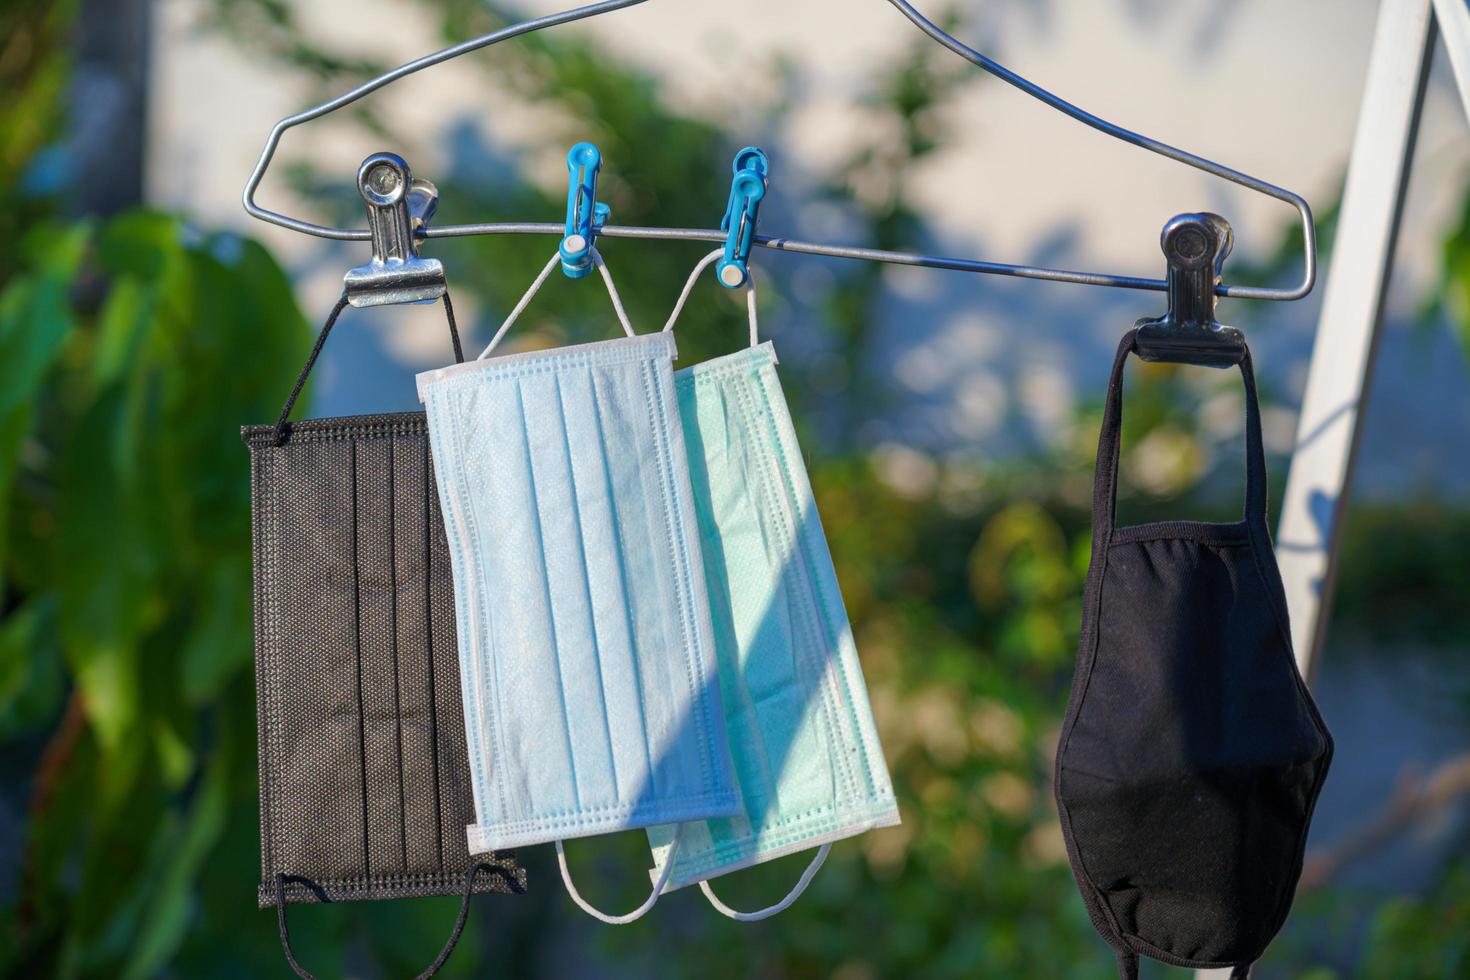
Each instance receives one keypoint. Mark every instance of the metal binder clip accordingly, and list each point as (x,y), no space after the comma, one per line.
(398,206)
(746,193)
(584,215)
(1196,246)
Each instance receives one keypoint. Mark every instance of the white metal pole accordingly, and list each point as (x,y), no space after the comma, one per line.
(1357,281)
(1347,332)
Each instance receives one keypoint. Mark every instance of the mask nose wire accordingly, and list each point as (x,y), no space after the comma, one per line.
(617,920)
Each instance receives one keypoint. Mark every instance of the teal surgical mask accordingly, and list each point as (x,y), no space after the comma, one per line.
(591,696)
(807,758)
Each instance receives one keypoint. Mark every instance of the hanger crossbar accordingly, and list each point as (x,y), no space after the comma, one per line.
(830,251)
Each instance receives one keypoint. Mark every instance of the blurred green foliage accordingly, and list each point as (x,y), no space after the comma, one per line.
(127,606)
(1451,296)
(1404,574)
(1423,938)
(131,350)
(34,64)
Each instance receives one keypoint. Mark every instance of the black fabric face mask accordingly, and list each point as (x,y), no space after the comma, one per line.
(1191,755)
(364,788)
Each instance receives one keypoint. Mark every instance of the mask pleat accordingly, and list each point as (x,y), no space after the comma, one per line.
(378,656)
(690,617)
(735,544)
(528,707)
(320,812)
(832,659)
(736,533)
(421,823)
(685,761)
(616,439)
(641,518)
(716,461)
(781,667)
(555,417)
(616,668)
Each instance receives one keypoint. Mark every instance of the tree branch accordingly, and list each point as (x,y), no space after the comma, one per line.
(1413,799)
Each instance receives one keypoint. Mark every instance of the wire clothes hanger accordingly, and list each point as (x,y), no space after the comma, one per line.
(421,229)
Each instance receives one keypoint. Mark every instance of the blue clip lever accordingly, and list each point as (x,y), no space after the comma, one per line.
(584,215)
(746,193)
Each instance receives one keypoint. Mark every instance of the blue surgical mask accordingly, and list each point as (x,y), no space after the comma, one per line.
(806,751)
(591,695)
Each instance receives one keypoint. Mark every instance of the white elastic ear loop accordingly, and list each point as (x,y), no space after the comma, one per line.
(755,329)
(612,290)
(617,920)
(779,907)
(750,304)
(521,306)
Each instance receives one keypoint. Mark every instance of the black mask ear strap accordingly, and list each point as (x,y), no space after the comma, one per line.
(1105,485)
(321,340)
(1255,450)
(1105,482)
(434,967)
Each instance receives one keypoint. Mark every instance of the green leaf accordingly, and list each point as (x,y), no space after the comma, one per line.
(173,876)
(217,650)
(35,321)
(121,328)
(110,592)
(31,680)
(140,244)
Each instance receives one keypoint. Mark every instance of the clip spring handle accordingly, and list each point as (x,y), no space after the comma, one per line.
(1196,246)
(398,207)
(742,214)
(585,216)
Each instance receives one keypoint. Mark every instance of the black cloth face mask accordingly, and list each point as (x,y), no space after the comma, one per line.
(364,783)
(1191,754)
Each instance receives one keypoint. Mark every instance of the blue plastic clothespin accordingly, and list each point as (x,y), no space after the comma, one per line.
(747,191)
(584,215)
